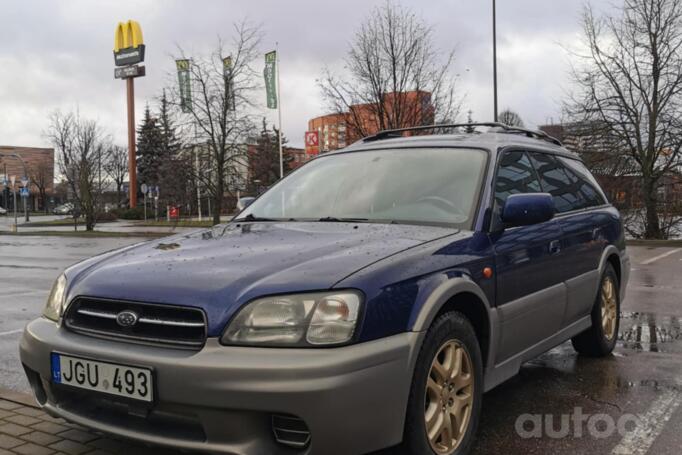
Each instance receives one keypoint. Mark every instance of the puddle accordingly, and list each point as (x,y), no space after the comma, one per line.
(654,384)
(648,332)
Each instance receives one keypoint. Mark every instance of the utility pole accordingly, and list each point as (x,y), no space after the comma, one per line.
(494,61)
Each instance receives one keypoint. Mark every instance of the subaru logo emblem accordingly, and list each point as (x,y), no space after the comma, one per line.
(127,318)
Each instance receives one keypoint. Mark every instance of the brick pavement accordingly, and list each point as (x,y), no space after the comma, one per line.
(26,430)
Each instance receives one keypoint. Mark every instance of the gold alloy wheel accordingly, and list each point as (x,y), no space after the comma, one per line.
(449,397)
(609,308)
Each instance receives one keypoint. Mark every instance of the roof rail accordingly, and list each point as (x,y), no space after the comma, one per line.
(387,134)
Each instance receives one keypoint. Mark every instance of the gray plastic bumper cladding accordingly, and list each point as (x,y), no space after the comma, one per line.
(227,399)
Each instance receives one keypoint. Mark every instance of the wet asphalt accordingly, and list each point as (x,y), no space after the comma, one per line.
(559,403)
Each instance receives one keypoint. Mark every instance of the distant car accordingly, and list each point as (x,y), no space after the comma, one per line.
(3,211)
(244,202)
(64,209)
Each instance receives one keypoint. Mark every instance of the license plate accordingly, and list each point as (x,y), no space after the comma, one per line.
(111,378)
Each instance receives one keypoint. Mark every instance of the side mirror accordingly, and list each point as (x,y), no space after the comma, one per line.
(527,208)
(244,203)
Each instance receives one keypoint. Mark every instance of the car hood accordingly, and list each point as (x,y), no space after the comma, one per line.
(222,268)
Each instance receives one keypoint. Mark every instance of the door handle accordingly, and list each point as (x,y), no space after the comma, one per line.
(554,247)
(595,233)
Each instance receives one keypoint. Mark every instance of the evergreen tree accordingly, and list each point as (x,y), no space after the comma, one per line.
(175,170)
(149,149)
(470,119)
(170,144)
(264,161)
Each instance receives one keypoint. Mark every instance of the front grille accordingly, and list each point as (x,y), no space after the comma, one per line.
(156,324)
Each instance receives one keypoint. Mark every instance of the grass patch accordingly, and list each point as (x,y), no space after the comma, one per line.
(87,234)
(60,222)
(180,223)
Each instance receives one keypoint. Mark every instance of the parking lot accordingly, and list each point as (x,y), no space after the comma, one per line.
(640,386)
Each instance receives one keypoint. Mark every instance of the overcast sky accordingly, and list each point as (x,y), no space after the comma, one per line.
(58,54)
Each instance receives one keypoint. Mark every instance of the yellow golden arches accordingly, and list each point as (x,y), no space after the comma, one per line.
(128,34)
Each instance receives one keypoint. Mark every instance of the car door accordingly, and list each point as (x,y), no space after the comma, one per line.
(580,214)
(530,291)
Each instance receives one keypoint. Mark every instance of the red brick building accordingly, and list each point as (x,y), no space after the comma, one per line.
(336,131)
(40,168)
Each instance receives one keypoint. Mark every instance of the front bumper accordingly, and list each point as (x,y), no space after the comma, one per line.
(222,399)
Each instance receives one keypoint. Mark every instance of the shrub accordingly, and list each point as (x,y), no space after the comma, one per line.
(106,216)
(129,214)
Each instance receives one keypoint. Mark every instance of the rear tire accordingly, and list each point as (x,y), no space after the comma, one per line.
(447,386)
(600,339)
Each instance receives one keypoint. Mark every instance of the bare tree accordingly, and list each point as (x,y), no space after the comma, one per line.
(511,118)
(630,82)
(41,175)
(220,112)
(80,145)
(393,53)
(116,167)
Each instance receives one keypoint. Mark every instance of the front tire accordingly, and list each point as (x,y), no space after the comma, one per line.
(600,339)
(446,393)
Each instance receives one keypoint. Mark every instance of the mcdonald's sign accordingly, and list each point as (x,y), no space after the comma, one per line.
(128,44)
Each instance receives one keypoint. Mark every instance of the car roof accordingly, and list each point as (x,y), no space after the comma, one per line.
(490,140)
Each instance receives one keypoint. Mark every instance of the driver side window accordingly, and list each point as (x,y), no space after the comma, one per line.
(515,174)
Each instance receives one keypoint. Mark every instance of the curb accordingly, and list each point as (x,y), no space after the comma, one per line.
(81,234)
(638,242)
(18,397)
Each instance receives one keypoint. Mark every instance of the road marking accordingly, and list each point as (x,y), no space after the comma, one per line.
(650,425)
(661,256)
(11,332)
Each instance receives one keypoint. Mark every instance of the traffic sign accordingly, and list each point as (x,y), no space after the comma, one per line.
(12,179)
(143,188)
(23,192)
(24,181)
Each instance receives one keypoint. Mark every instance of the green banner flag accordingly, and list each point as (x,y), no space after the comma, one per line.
(227,74)
(185,85)
(270,74)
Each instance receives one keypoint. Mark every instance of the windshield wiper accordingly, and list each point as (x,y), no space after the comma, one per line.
(334,219)
(252,217)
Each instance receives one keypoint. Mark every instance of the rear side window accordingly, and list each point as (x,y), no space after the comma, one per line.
(588,185)
(555,180)
(514,175)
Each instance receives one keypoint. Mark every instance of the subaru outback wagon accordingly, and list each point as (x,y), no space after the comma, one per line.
(365,301)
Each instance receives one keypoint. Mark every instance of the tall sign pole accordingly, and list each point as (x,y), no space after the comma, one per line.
(279,116)
(132,154)
(495,60)
(128,52)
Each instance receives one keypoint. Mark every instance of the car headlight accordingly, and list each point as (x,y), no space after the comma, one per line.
(296,320)
(55,302)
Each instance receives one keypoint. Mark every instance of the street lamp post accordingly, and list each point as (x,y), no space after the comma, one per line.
(23,164)
(14,196)
(494,61)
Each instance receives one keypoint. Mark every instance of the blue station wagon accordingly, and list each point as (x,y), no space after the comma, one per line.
(366,301)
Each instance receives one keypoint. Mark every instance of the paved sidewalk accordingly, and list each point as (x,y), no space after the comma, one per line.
(26,430)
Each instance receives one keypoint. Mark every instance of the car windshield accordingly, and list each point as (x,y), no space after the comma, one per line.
(413,186)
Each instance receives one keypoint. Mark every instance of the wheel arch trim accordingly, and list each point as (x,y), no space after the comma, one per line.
(443,294)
